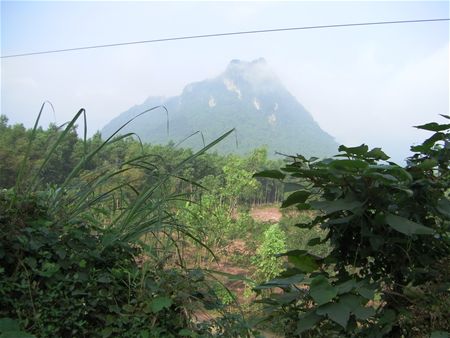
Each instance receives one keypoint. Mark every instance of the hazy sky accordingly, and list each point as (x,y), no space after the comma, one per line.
(361,84)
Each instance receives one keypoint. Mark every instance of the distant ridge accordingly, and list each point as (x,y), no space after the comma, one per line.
(247,96)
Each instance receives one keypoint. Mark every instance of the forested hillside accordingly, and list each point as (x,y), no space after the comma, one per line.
(71,149)
(247,96)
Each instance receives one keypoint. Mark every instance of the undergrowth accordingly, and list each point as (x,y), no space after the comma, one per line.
(93,256)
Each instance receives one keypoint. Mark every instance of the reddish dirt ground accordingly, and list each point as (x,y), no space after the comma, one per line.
(239,247)
(266,214)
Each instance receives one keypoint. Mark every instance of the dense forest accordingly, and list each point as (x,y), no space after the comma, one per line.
(118,238)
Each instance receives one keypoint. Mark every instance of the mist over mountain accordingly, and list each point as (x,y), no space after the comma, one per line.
(247,96)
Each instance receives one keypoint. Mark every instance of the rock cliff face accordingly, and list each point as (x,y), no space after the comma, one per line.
(248,96)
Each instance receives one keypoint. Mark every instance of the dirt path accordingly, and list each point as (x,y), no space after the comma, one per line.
(266,214)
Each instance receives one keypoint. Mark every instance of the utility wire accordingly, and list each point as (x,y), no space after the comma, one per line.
(223,34)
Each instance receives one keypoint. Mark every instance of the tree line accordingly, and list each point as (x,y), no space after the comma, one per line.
(212,168)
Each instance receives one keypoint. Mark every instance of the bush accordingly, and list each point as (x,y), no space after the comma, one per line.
(63,281)
(388,229)
(72,261)
(266,262)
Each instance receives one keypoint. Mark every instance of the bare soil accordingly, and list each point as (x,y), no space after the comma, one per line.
(266,214)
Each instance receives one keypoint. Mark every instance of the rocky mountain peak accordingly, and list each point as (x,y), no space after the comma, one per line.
(247,96)
(256,73)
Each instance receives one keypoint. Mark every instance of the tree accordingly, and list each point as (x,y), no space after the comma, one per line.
(388,227)
(268,266)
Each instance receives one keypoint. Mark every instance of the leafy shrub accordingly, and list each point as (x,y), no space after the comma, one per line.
(266,262)
(72,261)
(63,280)
(388,228)
(224,295)
(10,328)
(298,237)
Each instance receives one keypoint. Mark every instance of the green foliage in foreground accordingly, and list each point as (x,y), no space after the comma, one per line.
(62,280)
(388,227)
(72,259)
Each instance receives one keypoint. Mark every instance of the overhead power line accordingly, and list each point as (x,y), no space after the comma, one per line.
(223,34)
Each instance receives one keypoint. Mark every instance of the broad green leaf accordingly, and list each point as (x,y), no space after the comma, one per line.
(408,192)
(305,263)
(384,177)
(365,292)
(433,126)
(351,301)
(350,165)
(363,312)
(332,206)
(428,164)
(346,286)
(360,150)
(286,297)
(376,242)
(8,324)
(107,332)
(433,139)
(307,321)
(341,220)
(303,206)
(337,312)
(439,334)
(292,253)
(145,334)
(420,148)
(378,154)
(186,333)
(286,281)
(49,269)
(407,227)
(304,225)
(296,197)
(289,187)
(388,317)
(160,303)
(443,206)
(400,173)
(270,174)
(321,290)
(314,241)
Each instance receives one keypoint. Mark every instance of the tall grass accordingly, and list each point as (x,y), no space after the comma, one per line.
(106,201)
(81,195)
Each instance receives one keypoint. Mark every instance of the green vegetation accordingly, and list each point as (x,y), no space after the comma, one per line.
(107,238)
(388,228)
(246,96)
(65,280)
(96,252)
(266,262)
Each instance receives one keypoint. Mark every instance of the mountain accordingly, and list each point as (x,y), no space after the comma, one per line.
(248,96)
